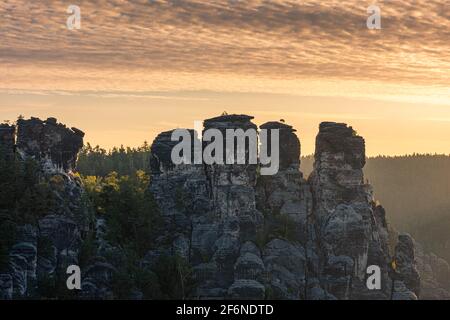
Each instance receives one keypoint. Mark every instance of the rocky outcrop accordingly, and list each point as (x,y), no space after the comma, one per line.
(245,235)
(286,195)
(351,230)
(286,200)
(290,146)
(51,143)
(23,261)
(280,236)
(337,177)
(405,264)
(44,248)
(209,210)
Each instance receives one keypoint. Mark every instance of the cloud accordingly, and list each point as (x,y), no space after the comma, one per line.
(100,94)
(146,42)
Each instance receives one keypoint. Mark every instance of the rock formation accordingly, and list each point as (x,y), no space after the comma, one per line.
(350,234)
(210,210)
(251,236)
(406,278)
(43,250)
(49,142)
(246,236)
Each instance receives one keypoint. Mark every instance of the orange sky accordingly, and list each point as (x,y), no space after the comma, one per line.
(139,67)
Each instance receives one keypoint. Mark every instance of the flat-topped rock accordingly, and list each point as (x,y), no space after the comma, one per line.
(48,139)
(161,151)
(289,144)
(232,121)
(277,125)
(230,118)
(339,138)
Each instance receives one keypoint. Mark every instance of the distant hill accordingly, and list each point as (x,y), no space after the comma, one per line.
(415,190)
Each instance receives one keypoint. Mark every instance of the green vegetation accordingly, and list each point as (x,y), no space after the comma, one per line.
(128,206)
(95,161)
(24,198)
(133,221)
(24,195)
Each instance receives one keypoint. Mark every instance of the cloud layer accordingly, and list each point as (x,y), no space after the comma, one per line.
(151,45)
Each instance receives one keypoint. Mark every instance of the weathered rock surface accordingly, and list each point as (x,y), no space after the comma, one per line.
(406,270)
(315,238)
(209,211)
(246,236)
(49,141)
(249,236)
(43,251)
(350,233)
(289,148)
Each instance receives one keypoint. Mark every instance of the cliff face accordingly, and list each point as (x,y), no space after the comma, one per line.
(50,240)
(210,211)
(245,235)
(351,233)
(280,236)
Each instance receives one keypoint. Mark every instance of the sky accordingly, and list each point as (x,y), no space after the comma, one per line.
(136,68)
